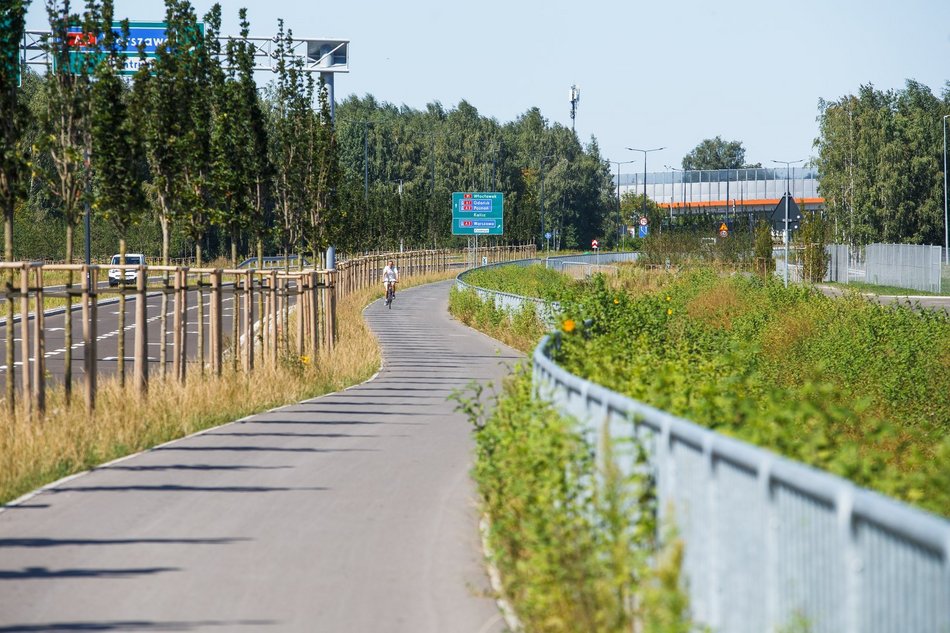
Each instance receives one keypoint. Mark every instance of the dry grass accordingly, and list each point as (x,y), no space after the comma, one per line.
(36,452)
(716,307)
(638,280)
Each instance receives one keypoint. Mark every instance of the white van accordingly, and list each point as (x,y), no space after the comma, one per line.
(131,259)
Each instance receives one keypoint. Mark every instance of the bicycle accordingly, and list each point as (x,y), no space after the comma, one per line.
(390,293)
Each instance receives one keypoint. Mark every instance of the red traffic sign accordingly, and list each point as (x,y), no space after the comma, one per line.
(644,221)
(595,244)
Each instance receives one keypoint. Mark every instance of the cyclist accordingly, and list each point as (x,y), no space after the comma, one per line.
(390,277)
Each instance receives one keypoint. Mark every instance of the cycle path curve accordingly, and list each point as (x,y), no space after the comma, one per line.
(349,512)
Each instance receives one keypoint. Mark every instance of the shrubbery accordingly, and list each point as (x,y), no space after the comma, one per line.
(571,552)
(848,386)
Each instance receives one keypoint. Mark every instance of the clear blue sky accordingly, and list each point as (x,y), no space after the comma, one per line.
(651,74)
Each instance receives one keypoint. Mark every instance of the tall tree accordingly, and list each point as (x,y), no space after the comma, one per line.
(323,219)
(13,165)
(716,153)
(64,124)
(199,75)
(879,162)
(290,143)
(116,168)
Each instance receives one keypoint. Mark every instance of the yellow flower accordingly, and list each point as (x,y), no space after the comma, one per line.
(616,301)
(669,311)
(305,360)
(569,326)
(667,298)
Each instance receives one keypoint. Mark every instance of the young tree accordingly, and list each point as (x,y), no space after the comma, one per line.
(813,237)
(199,73)
(324,179)
(116,168)
(13,165)
(64,124)
(290,109)
(764,262)
(231,150)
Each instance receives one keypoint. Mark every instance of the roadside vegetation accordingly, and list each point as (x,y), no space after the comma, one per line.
(572,554)
(68,441)
(846,385)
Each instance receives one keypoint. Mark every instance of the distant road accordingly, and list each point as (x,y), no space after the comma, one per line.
(350,512)
(108,336)
(925,301)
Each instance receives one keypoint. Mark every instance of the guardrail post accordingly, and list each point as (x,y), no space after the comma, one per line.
(39,347)
(141,333)
(25,337)
(89,319)
(216,324)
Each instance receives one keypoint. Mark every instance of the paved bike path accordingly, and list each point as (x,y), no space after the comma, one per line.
(349,512)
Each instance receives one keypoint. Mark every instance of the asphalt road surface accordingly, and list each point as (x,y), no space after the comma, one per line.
(350,512)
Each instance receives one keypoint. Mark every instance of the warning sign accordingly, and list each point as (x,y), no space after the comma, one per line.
(723,230)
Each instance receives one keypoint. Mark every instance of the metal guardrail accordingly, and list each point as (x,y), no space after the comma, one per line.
(547,310)
(770,542)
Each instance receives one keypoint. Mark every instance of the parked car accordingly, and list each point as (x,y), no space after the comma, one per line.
(116,275)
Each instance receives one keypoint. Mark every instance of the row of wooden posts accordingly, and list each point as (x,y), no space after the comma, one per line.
(261,324)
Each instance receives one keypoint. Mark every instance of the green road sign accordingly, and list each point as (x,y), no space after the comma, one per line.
(478,213)
(150,35)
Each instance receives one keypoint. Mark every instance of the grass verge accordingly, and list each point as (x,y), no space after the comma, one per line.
(34,453)
(521,329)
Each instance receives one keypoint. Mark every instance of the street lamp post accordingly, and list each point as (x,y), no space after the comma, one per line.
(787,164)
(673,192)
(618,163)
(645,152)
(543,233)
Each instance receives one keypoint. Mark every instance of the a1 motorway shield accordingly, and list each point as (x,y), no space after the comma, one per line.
(478,213)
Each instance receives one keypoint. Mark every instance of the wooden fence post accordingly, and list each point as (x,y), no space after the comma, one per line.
(89,316)
(200,318)
(272,316)
(141,332)
(39,347)
(248,321)
(25,337)
(216,323)
(301,313)
(314,315)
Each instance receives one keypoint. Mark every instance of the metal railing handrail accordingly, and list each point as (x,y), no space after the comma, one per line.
(875,535)
(925,529)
